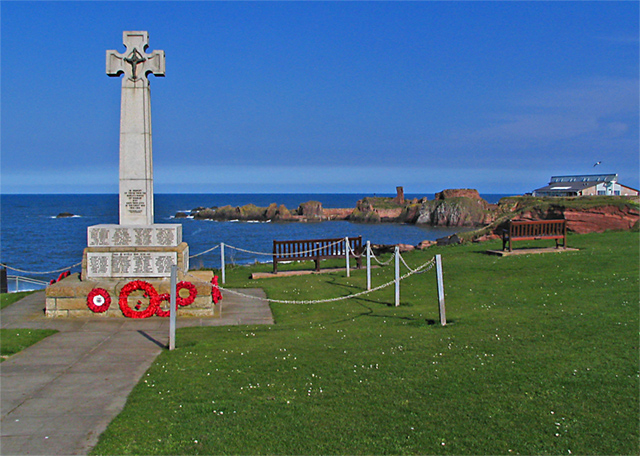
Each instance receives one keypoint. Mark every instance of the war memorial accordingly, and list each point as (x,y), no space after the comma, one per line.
(126,267)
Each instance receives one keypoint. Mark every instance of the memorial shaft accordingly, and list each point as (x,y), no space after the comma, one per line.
(136,158)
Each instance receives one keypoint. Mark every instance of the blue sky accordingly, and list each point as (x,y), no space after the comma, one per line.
(287,97)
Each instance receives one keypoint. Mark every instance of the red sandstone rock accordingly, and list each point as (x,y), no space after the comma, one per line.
(425,245)
(582,221)
(487,237)
(458,193)
(405,248)
(600,219)
(399,199)
(311,209)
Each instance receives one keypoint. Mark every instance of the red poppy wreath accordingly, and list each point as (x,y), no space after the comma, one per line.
(215,290)
(99,300)
(192,293)
(160,312)
(149,292)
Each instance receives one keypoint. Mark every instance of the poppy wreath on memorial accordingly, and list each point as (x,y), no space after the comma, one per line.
(160,312)
(149,292)
(215,290)
(98,300)
(192,293)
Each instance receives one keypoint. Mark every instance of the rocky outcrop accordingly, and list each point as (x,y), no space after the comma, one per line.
(425,245)
(458,193)
(450,209)
(399,199)
(311,210)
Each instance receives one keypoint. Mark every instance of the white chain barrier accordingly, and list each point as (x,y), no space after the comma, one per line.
(206,251)
(426,266)
(40,272)
(266,253)
(296,253)
(406,265)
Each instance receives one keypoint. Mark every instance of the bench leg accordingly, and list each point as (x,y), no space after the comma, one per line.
(275,267)
(317,265)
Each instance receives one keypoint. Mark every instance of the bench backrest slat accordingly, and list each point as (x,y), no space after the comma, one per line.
(312,248)
(534,228)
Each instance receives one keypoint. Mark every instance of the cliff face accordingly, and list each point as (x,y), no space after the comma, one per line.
(588,220)
(583,215)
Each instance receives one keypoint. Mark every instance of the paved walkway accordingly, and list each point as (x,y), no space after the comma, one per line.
(60,394)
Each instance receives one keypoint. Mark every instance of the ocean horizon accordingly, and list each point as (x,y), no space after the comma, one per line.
(34,240)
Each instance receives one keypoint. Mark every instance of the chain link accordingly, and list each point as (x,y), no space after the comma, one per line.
(429,265)
(380,262)
(38,272)
(405,263)
(287,254)
(206,251)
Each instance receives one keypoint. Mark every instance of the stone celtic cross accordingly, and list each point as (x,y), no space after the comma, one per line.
(135,63)
(136,162)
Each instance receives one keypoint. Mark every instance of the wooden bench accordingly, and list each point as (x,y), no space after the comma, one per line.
(534,230)
(316,250)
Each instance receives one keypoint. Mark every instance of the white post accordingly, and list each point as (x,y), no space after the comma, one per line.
(172,308)
(397,254)
(222,261)
(368,265)
(346,248)
(443,316)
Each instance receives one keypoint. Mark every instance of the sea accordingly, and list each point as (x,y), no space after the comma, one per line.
(38,244)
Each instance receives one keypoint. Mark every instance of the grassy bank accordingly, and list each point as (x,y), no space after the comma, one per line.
(13,341)
(540,357)
(7,299)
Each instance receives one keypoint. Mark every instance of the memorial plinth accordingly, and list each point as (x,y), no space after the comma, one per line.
(134,251)
(126,267)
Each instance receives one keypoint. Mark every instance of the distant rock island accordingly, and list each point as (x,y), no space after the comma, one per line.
(460,207)
(449,208)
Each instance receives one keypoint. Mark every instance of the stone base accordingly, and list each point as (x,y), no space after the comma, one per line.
(68,298)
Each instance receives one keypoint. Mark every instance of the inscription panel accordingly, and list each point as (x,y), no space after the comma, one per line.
(169,235)
(130,264)
(135,200)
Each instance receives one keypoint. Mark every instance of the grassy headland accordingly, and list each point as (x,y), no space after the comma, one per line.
(540,357)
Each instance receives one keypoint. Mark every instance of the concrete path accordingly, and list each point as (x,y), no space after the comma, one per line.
(60,394)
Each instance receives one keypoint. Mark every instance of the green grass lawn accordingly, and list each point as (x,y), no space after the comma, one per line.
(14,340)
(7,299)
(540,356)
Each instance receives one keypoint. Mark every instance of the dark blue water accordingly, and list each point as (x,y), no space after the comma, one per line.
(32,239)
